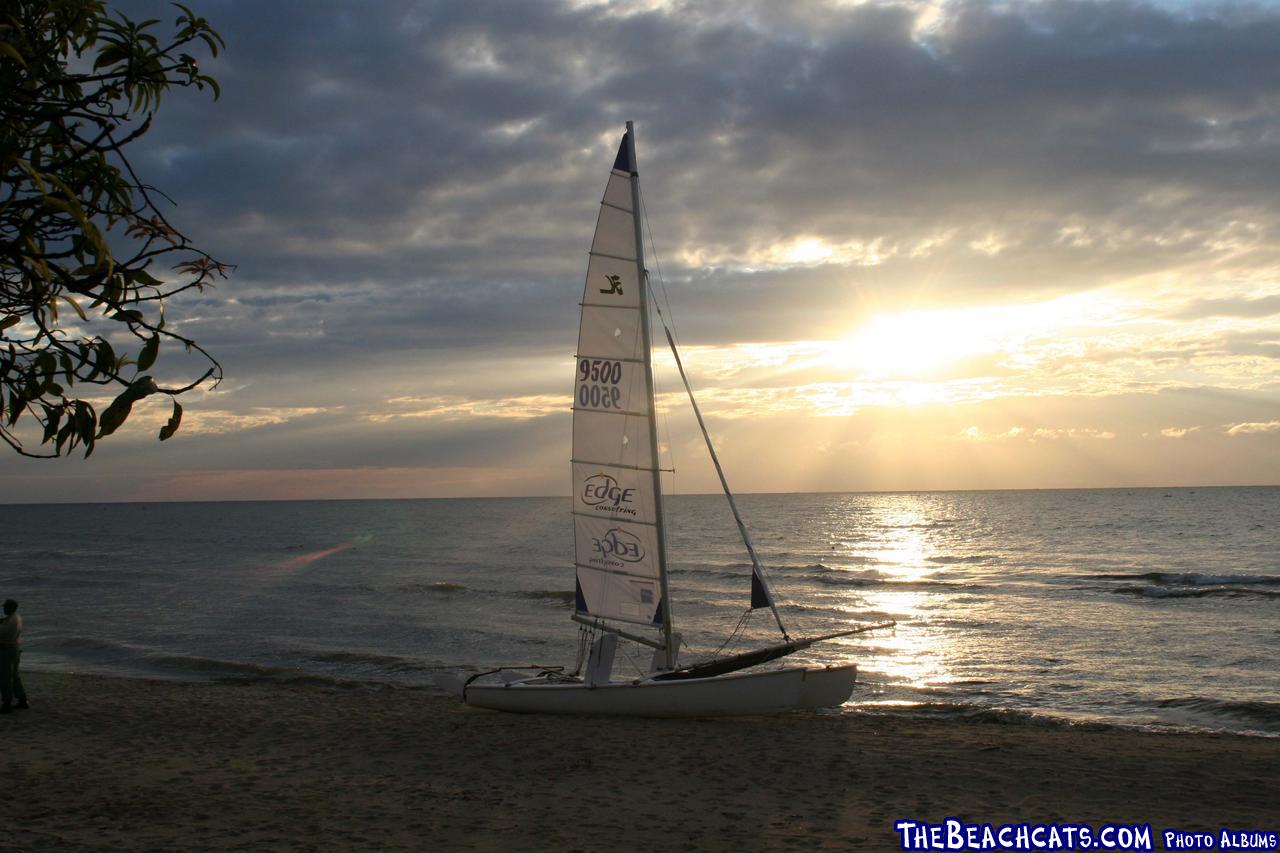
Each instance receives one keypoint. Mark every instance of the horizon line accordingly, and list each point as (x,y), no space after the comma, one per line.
(665,494)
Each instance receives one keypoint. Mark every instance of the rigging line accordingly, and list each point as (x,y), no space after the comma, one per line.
(666,428)
(629,653)
(586,636)
(657,263)
(666,421)
(735,634)
(756,568)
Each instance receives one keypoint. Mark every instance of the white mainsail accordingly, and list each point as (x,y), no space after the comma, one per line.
(619,549)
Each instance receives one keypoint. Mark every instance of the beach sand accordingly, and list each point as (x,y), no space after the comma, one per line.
(105,763)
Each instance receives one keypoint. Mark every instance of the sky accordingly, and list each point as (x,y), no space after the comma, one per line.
(906,245)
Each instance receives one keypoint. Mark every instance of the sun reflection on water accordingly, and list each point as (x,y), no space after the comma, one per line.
(899,540)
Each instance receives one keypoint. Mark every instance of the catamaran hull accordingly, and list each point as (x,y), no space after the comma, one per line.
(742,694)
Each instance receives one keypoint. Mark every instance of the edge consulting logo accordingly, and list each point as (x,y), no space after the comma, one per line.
(617,545)
(603,493)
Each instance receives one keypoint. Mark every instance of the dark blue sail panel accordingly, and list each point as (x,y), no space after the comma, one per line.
(579,600)
(623,162)
(759,595)
(657,614)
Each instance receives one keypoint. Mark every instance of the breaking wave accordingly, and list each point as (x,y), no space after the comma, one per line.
(214,667)
(558,596)
(90,645)
(887,583)
(1193,592)
(1190,579)
(1265,716)
(980,714)
(1190,585)
(435,586)
(385,663)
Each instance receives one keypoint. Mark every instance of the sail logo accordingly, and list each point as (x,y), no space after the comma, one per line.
(605,494)
(619,545)
(615,285)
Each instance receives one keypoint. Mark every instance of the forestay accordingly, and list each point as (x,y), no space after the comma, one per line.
(619,550)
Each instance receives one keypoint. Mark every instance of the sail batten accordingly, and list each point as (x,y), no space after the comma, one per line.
(603,305)
(621,572)
(613,465)
(615,357)
(609,411)
(593,515)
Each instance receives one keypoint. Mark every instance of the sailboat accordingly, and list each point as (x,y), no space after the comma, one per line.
(622,588)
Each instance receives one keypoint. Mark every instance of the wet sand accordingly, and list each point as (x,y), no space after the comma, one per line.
(103,763)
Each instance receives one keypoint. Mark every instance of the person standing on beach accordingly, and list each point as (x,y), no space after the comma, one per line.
(10,652)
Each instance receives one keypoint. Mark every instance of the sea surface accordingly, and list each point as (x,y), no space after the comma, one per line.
(1155,608)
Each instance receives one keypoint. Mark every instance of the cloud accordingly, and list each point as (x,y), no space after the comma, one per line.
(516,408)
(1253,428)
(204,420)
(433,150)
(1234,306)
(973,433)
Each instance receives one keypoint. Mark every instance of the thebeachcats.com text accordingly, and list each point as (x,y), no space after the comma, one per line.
(955,834)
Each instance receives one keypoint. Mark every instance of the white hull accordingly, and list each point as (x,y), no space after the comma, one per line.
(769,692)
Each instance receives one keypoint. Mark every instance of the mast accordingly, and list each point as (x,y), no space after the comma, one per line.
(643,282)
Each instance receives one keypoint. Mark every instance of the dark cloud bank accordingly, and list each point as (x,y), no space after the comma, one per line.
(403,171)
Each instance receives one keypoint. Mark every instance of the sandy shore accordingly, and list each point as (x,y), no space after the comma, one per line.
(101,763)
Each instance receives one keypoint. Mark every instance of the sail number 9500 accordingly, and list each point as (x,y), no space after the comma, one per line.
(604,375)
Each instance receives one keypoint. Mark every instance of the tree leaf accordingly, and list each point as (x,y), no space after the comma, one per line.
(12,52)
(52,418)
(150,350)
(118,412)
(143,277)
(17,403)
(74,304)
(47,366)
(167,431)
(107,361)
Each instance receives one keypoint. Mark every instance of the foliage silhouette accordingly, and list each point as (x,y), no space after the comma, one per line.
(87,258)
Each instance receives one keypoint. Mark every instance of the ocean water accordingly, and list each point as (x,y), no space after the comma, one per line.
(1147,607)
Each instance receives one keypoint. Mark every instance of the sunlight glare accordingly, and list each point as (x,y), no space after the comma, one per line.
(810,251)
(923,342)
(913,343)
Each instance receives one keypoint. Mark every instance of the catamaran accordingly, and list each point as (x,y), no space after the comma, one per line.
(622,590)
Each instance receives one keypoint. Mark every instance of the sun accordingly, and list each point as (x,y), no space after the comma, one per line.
(916,344)
(922,344)
(910,344)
